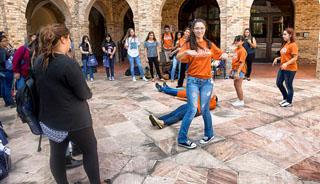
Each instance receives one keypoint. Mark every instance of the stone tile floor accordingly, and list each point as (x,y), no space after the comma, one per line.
(260,143)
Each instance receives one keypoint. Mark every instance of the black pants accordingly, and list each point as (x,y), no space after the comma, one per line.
(182,74)
(154,60)
(249,61)
(287,77)
(87,142)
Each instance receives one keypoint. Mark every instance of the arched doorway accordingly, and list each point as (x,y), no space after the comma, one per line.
(40,13)
(128,21)
(204,9)
(96,32)
(268,20)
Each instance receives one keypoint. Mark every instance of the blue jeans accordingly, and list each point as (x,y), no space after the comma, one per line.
(138,62)
(175,63)
(175,116)
(197,87)
(110,69)
(6,88)
(87,69)
(171,91)
(287,77)
(20,82)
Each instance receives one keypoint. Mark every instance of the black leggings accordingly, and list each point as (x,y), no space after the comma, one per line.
(182,74)
(87,142)
(154,60)
(249,61)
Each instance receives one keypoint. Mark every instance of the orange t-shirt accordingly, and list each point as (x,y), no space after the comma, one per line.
(168,40)
(181,42)
(239,57)
(200,66)
(213,103)
(287,53)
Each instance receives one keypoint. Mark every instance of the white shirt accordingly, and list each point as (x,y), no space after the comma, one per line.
(133,46)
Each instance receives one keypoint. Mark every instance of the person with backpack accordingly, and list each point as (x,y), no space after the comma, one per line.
(6,74)
(151,52)
(64,113)
(22,61)
(198,52)
(132,44)
(288,66)
(167,42)
(183,66)
(250,45)
(86,50)
(109,49)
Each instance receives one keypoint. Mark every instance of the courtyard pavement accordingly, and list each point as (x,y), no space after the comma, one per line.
(259,143)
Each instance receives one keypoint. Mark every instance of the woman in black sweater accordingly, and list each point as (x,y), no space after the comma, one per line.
(64,112)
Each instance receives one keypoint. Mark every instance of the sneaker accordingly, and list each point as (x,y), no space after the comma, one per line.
(112,78)
(248,79)
(134,79)
(283,101)
(164,84)
(159,87)
(238,103)
(91,79)
(206,140)
(109,78)
(188,145)
(144,78)
(156,122)
(286,104)
(72,163)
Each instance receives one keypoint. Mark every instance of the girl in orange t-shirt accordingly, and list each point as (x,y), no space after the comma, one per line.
(288,66)
(198,52)
(239,69)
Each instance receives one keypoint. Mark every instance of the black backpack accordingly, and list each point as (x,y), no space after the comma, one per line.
(27,101)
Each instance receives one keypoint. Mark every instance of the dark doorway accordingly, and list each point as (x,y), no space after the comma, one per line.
(128,21)
(205,9)
(268,20)
(96,32)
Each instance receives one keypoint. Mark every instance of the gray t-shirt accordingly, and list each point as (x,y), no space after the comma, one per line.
(151,48)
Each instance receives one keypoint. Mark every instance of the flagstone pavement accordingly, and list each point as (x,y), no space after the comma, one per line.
(259,143)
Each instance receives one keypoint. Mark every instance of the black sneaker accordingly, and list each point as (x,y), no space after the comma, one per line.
(165,84)
(188,145)
(72,163)
(206,140)
(156,122)
(159,87)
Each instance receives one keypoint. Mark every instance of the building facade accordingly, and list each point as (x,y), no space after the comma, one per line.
(226,19)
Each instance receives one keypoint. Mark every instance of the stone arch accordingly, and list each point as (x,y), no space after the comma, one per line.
(59,8)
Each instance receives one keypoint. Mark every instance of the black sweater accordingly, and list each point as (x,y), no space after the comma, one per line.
(63,92)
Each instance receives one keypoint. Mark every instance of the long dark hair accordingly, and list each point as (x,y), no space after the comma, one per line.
(291,32)
(250,35)
(154,36)
(49,39)
(176,35)
(84,38)
(193,40)
(2,37)
(108,35)
(36,51)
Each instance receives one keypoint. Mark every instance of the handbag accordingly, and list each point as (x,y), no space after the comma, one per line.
(92,60)
(106,61)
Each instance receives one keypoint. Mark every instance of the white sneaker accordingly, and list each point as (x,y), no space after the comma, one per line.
(286,104)
(144,78)
(112,78)
(283,101)
(134,79)
(91,79)
(238,103)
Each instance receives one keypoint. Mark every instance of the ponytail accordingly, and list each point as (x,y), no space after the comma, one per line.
(49,39)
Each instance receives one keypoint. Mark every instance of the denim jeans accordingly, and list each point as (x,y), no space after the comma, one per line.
(20,82)
(171,91)
(287,77)
(138,62)
(175,63)
(6,88)
(110,69)
(87,69)
(197,87)
(175,116)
